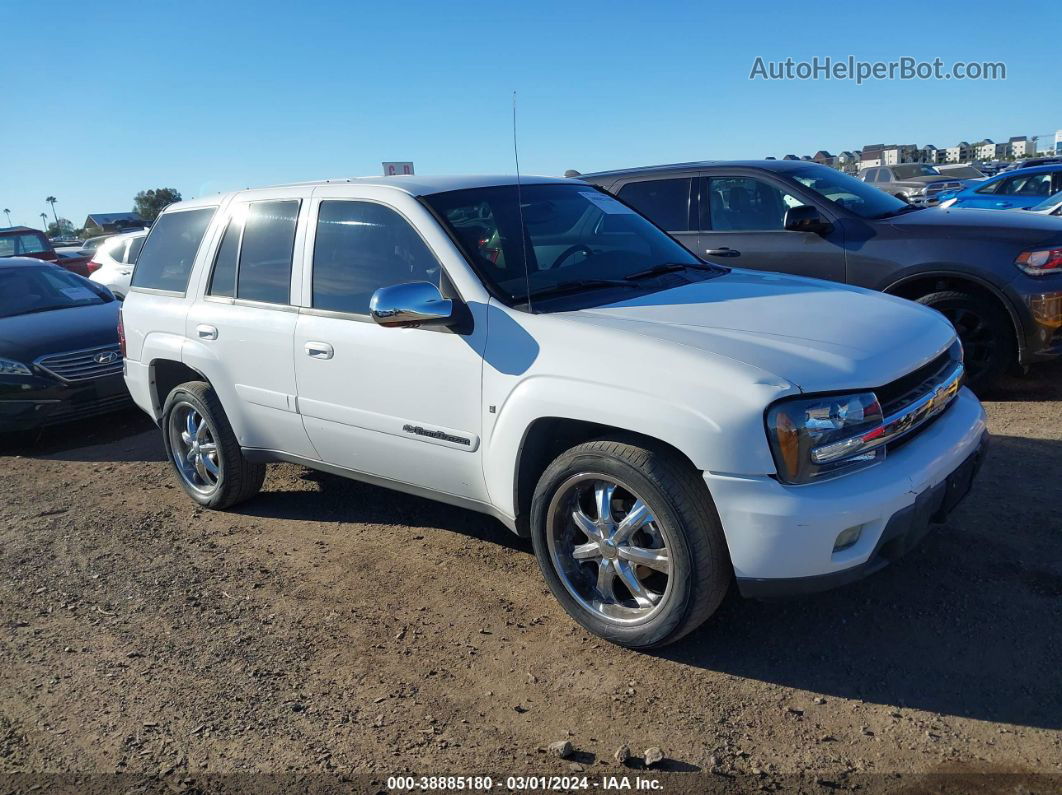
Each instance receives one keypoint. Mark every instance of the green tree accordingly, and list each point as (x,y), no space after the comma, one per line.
(61,228)
(44,220)
(52,200)
(7,212)
(149,203)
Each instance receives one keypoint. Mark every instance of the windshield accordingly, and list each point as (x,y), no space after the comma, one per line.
(909,170)
(22,243)
(963,172)
(573,235)
(25,290)
(858,197)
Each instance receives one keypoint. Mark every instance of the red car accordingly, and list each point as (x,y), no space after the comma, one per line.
(22,241)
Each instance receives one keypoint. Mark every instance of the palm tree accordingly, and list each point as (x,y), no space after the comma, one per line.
(44,220)
(7,212)
(52,200)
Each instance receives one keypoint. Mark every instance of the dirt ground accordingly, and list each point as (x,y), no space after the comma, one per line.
(331,631)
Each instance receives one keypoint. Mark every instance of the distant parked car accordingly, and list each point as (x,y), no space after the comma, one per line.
(24,241)
(996,276)
(112,264)
(1032,162)
(1019,189)
(59,357)
(90,244)
(917,183)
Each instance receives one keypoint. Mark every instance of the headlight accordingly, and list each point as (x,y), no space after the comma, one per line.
(1039,262)
(11,367)
(807,435)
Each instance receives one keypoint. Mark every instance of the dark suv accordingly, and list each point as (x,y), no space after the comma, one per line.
(997,276)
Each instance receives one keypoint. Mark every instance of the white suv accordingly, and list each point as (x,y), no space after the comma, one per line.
(539,352)
(112,262)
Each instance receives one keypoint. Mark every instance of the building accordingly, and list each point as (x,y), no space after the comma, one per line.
(847,161)
(894,154)
(102,223)
(930,154)
(1021,146)
(824,158)
(959,153)
(871,156)
(1058,142)
(790,157)
(990,150)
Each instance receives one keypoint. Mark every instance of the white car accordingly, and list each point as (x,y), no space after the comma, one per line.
(539,352)
(112,262)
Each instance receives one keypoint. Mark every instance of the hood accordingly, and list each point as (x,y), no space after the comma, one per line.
(819,336)
(928,179)
(977,222)
(26,337)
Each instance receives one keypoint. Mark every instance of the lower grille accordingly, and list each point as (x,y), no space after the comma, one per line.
(83,365)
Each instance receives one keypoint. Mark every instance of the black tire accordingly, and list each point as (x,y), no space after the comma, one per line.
(238,479)
(986,333)
(700,570)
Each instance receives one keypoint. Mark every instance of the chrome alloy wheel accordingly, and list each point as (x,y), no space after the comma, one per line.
(608,549)
(194,448)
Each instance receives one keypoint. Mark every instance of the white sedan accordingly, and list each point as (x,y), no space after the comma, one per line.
(112,263)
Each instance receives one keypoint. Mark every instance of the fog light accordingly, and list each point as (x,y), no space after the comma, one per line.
(847,538)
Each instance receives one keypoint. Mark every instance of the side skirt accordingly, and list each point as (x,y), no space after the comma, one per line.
(263,456)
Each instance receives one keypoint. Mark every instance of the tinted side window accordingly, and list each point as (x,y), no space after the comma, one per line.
(360,247)
(265,256)
(665,201)
(117,251)
(738,204)
(223,279)
(168,254)
(134,249)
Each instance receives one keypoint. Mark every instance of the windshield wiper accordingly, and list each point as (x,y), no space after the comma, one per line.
(671,267)
(576,286)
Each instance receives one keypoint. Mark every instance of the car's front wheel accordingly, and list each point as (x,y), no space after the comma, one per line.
(203,448)
(984,330)
(629,541)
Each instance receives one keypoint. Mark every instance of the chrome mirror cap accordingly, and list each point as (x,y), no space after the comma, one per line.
(410,304)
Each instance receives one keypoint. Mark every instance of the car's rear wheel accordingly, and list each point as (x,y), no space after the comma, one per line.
(629,542)
(985,331)
(203,449)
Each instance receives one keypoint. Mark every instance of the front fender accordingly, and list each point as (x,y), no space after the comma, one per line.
(712,443)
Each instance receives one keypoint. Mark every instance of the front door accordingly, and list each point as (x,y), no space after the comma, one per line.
(402,404)
(742,222)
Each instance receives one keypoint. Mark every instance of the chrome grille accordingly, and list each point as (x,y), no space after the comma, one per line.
(83,365)
(938,187)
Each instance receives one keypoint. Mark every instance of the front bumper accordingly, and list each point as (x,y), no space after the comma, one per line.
(781,538)
(35,402)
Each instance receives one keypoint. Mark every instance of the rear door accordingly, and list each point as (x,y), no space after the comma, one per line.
(742,223)
(667,200)
(240,332)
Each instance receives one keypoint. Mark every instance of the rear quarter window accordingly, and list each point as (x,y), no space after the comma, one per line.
(168,253)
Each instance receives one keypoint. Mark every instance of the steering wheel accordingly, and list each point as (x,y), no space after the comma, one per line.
(585,249)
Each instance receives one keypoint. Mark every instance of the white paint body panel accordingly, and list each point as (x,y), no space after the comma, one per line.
(693,366)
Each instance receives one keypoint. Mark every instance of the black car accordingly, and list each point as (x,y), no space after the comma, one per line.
(997,276)
(59,354)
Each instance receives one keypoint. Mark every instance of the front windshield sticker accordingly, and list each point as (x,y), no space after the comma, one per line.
(607,204)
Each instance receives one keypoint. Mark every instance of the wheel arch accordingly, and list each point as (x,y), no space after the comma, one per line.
(167,374)
(547,437)
(923,283)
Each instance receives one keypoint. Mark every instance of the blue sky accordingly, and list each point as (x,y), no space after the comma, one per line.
(214,96)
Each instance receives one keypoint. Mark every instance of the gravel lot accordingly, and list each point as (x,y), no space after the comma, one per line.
(329,629)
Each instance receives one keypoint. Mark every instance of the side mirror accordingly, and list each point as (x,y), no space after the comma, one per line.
(805,218)
(411,304)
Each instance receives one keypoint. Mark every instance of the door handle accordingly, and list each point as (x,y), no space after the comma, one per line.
(319,350)
(723,252)
(206,332)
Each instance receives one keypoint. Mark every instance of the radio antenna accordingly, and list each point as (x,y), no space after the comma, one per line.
(520,210)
